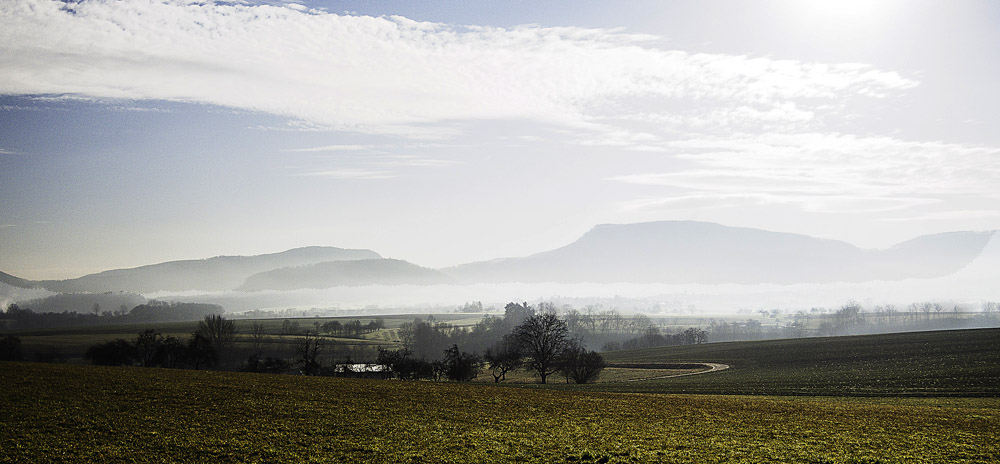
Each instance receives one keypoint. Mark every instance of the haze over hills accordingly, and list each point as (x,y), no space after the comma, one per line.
(700,252)
(668,252)
(345,274)
(212,274)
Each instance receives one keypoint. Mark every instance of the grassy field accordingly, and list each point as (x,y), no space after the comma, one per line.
(940,363)
(66,413)
(610,374)
(72,342)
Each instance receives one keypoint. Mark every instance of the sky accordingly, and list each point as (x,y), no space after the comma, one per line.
(446,132)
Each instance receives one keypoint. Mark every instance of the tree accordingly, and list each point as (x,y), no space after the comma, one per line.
(171,353)
(459,365)
(403,365)
(307,351)
(201,352)
(542,338)
(694,336)
(354,328)
(515,313)
(218,330)
(258,336)
(147,347)
(333,327)
(581,365)
(503,357)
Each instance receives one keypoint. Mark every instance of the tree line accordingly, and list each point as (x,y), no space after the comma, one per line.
(150,348)
(540,342)
(16,317)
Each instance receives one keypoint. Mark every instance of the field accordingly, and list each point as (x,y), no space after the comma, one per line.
(939,363)
(910,397)
(72,342)
(66,413)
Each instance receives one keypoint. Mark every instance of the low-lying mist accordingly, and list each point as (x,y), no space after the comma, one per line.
(692,299)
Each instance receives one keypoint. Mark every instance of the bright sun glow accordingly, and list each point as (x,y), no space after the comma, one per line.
(845,10)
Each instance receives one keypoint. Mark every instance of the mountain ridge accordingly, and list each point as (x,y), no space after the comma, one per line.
(648,252)
(383,271)
(703,252)
(210,274)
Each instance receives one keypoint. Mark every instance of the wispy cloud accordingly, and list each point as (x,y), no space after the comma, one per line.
(350,174)
(344,72)
(4,151)
(327,148)
(828,173)
(413,161)
(945,216)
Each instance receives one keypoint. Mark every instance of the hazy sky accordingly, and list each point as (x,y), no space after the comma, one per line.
(134,132)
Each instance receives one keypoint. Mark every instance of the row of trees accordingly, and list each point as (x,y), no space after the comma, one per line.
(351,329)
(152,349)
(653,338)
(541,343)
(16,317)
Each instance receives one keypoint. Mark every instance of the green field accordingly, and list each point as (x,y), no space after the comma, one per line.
(66,413)
(939,363)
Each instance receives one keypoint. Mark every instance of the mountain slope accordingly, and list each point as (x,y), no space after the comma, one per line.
(344,274)
(17,281)
(699,252)
(212,274)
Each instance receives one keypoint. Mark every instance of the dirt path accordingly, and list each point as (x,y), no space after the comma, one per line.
(712,367)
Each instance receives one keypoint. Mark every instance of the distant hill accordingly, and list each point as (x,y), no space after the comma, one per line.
(17,281)
(344,273)
(700,252)
(84,303)
(653,252)
(212,274)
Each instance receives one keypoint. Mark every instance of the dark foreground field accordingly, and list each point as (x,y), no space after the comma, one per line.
(65,413)
(939,363)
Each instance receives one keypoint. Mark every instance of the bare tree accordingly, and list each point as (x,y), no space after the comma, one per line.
(542,338)
(218,330)
(503,356)
(201,353)
(258,337)
(307,351)
(147,344)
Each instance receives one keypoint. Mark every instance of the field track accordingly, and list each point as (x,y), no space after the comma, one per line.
(711,367)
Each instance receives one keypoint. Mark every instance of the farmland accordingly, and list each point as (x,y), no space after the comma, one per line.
(72,413)
(940,363)
(908,397)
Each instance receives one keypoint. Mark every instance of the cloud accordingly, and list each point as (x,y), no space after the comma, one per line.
(332,148)
(350,174)
(4,151)
(392,75)
(946,216)
(413,161)
(829,173)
